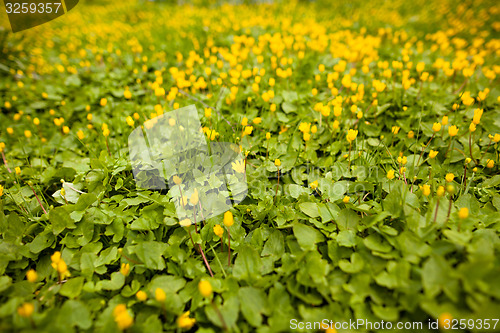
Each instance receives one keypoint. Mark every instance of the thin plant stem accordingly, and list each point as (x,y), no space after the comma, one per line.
(5,162)
(219,314)
(427,145)
(277,186)
(228,247)
(38,199)
(436,213)
(206,261)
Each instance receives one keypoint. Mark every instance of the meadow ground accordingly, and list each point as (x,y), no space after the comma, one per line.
(370,140)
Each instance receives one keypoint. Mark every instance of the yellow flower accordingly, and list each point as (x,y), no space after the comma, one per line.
(185,322)
(218,230)
(160,295)
(1,190)
(10,130)
(449,177)
(433,153)
(239,166)
(351,135)
(402,159)
(63,192)
(411,135)
(307,136)
(268,136)
(474,169)
(314,185)
(228,219)
(477,116)
(390,174)
(26,310)
(122,317)
(185,222)
(159,92)
(490,164)
(208,112)
(436,127)
(130,121)
(277,162)
(463,213)
(141,296)
(65,129)
(62,268)
(205,288)
(496,138)
(27,133)
(125,269)
(171,122)
(426,190)
(444,121)
(80,135)
(248,130)
(55,258)
(127,94)
(194,197)
(305,127)
(103,102)
(346,199)
(177,180)
(31,275)
(453,130)
(244,121)
(105,132)
(18,170)
(136,115)
(445,320)
(89,116)
(440,191)
(395,129)
(472,127)
(314,129)
(257,120)
(468,160)
(272,107)
(450,188)
(36,121)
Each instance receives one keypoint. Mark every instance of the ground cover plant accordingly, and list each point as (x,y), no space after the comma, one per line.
(370,133)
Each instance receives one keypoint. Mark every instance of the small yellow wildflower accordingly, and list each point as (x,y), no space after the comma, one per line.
(125,269)
(453,130)
(160,295)
(218,230)
(228,218)
(463,213)
(31,275)
(185,322)
(205,288)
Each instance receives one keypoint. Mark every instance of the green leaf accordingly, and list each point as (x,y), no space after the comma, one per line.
(117,281)
(72,288)
(247,264)
(253,304)
(275,246)
(150,254)
(60,219)
(354,266)
(310,209)
(74,313)
(347,238)
(307,236)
